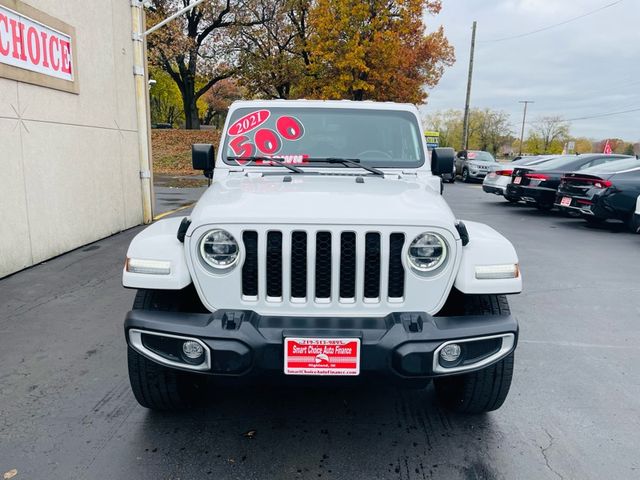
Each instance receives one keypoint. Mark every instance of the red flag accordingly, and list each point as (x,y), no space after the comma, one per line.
(607,148)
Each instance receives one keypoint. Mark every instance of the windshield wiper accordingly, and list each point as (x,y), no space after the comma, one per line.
(278,161)
(354,162)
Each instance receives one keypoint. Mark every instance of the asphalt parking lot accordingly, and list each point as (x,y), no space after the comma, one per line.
(66,410)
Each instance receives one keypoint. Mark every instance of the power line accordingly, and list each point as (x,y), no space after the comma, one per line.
(549,27)
(589,117)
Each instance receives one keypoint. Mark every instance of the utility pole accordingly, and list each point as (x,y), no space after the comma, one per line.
(141,77)
(524,118)
(465,128)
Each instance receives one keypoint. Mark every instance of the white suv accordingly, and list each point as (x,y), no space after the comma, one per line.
(322,248)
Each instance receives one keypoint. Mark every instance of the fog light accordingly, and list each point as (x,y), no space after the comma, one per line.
(451,352)
(192,350)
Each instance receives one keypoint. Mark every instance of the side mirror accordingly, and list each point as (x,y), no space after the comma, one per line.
(203,158)
(442,160)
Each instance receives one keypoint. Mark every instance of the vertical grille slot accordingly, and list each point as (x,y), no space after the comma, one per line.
(298,264)
(250,267)
(323,265)
(396,270)
(274,264)
(348,265)
(372,265)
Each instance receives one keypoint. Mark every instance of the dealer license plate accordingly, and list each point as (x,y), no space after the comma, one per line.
(322,356)
(565,202)
(517,180)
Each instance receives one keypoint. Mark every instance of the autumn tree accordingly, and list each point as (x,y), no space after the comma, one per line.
(582,145)
(164,99)
(449,124)
(549,131)
(218,100)
(629,150)
(488,129)
(201,44)
(274,54)
(374,49)
(492,128)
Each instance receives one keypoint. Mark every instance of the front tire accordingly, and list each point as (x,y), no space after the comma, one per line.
(465,175)
(160,388)
(483,390)
(155,386)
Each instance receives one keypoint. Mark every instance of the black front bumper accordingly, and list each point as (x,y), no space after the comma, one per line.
(399,344)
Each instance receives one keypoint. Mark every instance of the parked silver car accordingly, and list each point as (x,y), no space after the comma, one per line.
(475,164)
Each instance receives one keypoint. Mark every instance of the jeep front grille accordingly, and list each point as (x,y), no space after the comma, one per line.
(323,266)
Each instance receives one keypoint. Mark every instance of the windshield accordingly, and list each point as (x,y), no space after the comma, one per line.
(480,156)
(379,138)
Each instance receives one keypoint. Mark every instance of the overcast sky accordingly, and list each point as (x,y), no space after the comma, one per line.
(587,67)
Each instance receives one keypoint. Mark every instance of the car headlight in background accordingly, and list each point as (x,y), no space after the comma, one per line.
(427,252)
(219,249)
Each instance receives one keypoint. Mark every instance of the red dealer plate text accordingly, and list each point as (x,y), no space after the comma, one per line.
(322,356)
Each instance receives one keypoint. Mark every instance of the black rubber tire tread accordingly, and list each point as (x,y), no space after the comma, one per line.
(483,390)
(155,386)
(161,388)
(465,179)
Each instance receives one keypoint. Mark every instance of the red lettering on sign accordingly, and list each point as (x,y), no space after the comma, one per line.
(242,147)
(33,45)
(17,35)
(45,57)
(66,56)
(4,47)
(248,122)
(290,128)
(54,55)
(267,141)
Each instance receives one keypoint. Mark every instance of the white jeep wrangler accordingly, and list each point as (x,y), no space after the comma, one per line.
(322,248)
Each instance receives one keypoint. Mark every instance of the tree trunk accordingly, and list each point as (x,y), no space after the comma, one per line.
(191,118)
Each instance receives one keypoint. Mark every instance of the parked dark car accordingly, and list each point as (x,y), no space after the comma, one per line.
(603,192)
(496,182)
(538,184)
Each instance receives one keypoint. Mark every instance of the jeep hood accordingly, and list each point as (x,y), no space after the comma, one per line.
(323,200)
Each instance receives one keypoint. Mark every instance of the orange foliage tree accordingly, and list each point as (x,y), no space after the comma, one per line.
(374,49)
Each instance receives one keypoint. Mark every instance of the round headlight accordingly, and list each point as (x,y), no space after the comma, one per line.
(427,252)
(219,249)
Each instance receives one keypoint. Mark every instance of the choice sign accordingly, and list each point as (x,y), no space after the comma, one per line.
(31,45)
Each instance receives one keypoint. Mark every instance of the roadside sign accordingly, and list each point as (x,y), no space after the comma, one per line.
(433,139)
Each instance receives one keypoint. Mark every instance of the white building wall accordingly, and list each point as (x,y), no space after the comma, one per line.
(69,164)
